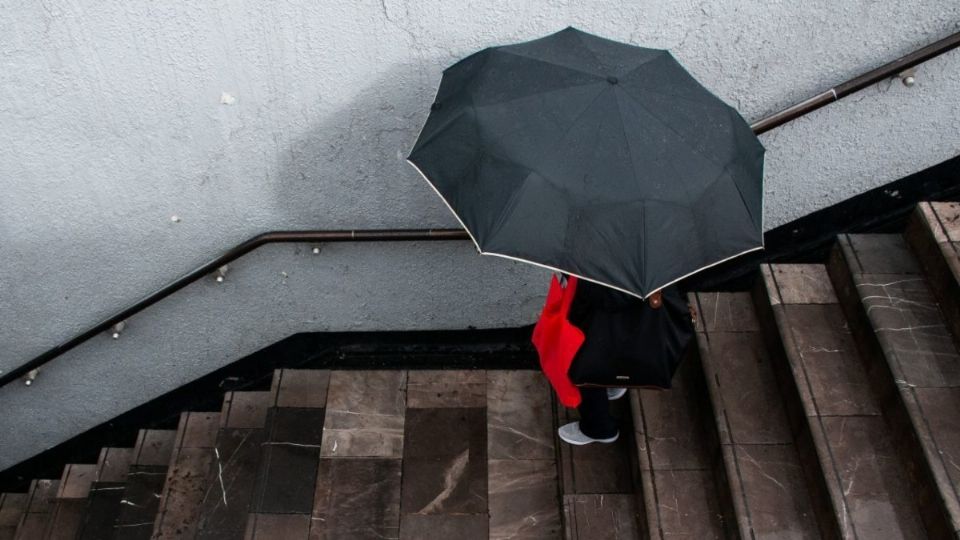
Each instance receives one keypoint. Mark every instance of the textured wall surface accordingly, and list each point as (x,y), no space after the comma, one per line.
(243,117)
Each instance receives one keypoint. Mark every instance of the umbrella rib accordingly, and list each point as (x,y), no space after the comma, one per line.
(626,140)
(576,119)
(527,96)
(551,64)
(713,159)
(688,100)
(740,193)
(419,145)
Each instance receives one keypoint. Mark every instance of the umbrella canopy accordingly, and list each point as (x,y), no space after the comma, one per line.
(595,158)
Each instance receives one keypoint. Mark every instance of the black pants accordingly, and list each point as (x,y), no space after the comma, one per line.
(595,418)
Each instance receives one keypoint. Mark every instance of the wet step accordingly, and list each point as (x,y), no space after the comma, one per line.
(39,507)
(12,508)
(357,490)
(190,475)
(838,416)
(287,476)
(444,482)
(599,482)
(144,485)
(896,318)
(105,493)
(222,513)
(678,453)
(763,483)
(68,516)
(933,233)
(522,478)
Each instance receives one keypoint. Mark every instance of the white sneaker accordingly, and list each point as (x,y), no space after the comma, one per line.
(571,433)
(616,393)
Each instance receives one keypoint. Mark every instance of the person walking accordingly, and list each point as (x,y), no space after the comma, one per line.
(613,327)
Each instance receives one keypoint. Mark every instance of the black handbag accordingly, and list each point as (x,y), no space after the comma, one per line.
(631,342)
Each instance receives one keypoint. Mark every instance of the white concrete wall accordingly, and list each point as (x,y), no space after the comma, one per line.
(111,121)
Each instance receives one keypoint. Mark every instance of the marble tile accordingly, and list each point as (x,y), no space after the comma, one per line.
(446,388)
(455,485)
(224,507)
(671,426)
(908,322)
(246,410)
(523,499)
(444,433)
(445,461)
(687,504)
(141,501)
(776,492)
(602,516)
(77,480)
(932,222)
(598,468)
(303,426)
(364,415)
(288,463)
(939,407)
(836,376)
(894,299)
(154,447)
(877,495)
(12,506)
(948,214)
(66,521)
(519,417)
(191,473)
(750,397)
(101,514)
(277,527)
(114,464)
(883,253)
(302,388)
(803,284)
(356,498)
(201,430)
(726,312)
(40,507)
(459,526)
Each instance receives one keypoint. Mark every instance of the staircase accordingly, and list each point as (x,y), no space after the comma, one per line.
(821,404)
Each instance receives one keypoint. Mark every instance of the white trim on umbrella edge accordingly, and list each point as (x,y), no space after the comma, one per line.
(541,265)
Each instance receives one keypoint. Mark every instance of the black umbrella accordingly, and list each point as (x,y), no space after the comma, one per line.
(593,157)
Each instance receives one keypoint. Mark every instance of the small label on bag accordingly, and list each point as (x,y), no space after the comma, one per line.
(623,377)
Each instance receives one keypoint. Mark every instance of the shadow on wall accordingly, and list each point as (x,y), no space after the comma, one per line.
(350,170)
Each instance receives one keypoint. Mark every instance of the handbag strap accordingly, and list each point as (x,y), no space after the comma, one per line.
(568,292)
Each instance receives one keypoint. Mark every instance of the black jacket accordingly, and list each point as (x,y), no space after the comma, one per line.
(624,334)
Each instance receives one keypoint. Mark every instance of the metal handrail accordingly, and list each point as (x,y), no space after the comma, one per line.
(394,235)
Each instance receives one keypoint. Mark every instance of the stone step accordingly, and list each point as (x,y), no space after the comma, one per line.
(68,515)
(12,508)
(40,505)
(897,322)
(762,477)
(192,473)
(140,502)
(933,233)
(105,493)
(522,477)
(600,482)
(286,478)
(833,407)
(224,508)
(678,454)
